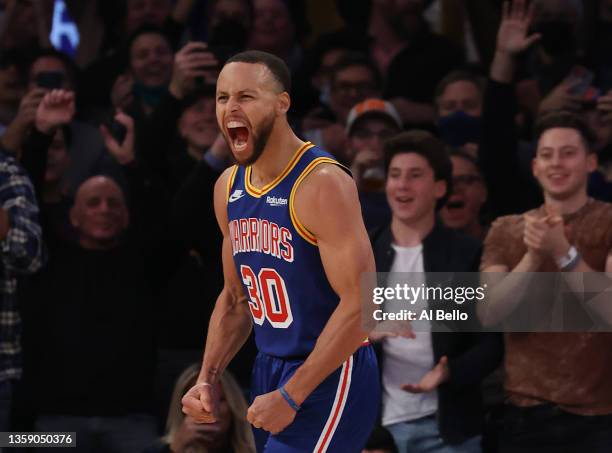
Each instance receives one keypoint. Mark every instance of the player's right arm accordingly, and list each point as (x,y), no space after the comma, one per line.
(230,324)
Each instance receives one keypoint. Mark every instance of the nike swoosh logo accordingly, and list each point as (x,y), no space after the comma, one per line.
(237,195)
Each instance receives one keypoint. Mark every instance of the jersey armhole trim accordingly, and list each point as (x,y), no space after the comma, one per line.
(306,234)
(230,183)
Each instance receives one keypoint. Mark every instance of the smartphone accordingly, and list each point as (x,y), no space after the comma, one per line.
(50,79)
(581,80)
(200,80)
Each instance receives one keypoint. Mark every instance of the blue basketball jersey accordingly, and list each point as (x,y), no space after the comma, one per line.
(277,258)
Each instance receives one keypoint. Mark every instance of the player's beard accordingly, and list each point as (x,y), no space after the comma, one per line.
(260,139)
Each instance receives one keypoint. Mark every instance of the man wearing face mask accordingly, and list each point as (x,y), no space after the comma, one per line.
(505,160)
(412,58)
(459,104)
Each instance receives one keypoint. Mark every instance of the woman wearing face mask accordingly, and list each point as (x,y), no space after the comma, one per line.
(231,433)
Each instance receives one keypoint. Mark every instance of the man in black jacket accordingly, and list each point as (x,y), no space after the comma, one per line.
(431,380)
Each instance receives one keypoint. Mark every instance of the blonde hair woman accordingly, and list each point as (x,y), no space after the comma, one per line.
(230,434)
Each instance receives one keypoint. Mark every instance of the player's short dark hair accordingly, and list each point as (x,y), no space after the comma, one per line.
(430,148)
(277,66)
(460,76)
(566,120)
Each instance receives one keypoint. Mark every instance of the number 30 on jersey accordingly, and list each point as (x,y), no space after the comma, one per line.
(267,297)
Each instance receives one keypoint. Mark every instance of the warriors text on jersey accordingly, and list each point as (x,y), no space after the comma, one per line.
(277,258)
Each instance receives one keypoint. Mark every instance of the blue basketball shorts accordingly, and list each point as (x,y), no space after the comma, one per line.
(338,416)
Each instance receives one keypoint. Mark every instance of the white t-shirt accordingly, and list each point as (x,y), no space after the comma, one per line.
(405,360)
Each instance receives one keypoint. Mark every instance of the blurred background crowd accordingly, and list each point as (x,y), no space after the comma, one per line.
(107,124)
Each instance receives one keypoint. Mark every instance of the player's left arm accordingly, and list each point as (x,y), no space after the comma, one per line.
(326,202)
(328,205)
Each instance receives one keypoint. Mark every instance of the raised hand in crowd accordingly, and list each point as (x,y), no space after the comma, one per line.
(513,38)
(122,152)
(193,64)
(561,98)
(432,379)
(15,132)
(122,92)
(28,106)
(56,109)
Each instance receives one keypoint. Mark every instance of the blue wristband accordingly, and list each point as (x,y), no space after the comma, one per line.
(289,400)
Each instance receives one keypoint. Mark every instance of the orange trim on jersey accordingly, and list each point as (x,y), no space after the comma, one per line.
(230,182)
(299,226)
(255,192)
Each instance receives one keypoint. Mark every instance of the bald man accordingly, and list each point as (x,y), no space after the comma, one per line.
(99,213)
(92,326)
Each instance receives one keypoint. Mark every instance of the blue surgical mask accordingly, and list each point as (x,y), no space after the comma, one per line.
(459,128)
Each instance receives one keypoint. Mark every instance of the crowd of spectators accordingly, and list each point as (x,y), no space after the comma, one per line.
(455,118)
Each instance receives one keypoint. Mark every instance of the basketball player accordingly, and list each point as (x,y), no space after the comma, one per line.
(294,250)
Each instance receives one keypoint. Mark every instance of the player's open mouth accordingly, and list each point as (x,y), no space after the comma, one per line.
(238,134)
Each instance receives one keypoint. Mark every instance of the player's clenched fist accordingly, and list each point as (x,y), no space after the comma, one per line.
(201,402)
(271,412)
